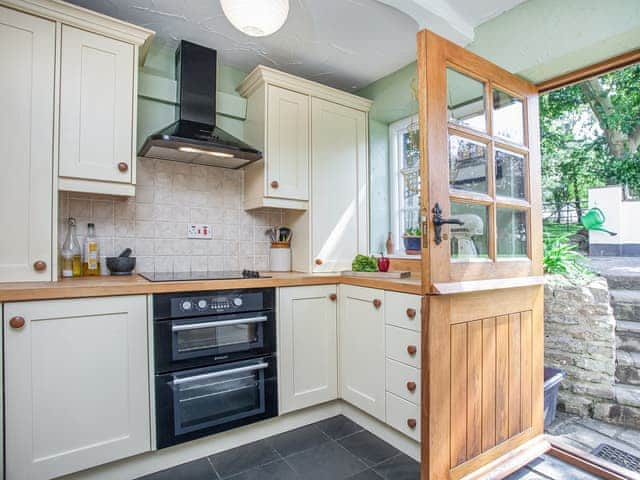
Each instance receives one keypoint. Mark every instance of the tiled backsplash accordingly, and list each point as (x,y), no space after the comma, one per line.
(153,224)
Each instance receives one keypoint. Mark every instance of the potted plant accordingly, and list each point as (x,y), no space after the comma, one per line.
(411,239)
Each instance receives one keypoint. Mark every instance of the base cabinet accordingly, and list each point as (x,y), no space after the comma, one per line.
(361,349)
(76,382)
(307,347)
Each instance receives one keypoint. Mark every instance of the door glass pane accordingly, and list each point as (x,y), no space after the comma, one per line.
(465,101)
(469,240)
(508,117)
(215,337)
(467,165)
(208,401)
(512,232)
(510,174)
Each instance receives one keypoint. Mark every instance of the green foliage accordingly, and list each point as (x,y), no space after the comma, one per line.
(590,134)
(413,232)
(362,263)
(560,257)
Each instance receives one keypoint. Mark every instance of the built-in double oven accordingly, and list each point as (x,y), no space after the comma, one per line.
(215,364)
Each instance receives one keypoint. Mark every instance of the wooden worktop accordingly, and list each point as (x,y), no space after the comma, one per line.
(136,285)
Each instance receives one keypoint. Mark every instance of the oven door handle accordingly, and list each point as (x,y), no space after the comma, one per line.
(220,373)
(222,323)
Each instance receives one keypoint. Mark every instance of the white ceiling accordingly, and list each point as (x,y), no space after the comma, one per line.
(343,43)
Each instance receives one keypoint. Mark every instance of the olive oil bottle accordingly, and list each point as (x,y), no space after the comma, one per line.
(91,265)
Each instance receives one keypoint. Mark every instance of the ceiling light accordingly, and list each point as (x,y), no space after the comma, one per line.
(205,152)
(257,18)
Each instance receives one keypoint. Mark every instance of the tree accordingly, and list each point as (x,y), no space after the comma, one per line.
(591,136)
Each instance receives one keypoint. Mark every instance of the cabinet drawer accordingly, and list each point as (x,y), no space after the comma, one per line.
(403,381)
(401,414)
(403,345)
(403,310)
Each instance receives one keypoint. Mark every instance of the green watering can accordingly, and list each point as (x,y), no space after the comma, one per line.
(594,219)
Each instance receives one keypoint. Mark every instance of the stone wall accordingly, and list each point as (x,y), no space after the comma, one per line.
(580,339)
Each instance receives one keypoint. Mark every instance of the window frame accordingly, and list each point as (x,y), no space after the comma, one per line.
(396,197)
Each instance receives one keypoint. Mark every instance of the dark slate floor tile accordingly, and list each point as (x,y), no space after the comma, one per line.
(556,469)
(400,467)
(245,457)
(369,448)
(366,475)
(278,470)
(328,461)
(197,470)
(297,440)
(338,427)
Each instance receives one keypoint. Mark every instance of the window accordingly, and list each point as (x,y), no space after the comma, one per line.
(404,152)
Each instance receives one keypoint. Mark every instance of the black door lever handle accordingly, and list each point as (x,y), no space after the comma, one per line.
(438,221)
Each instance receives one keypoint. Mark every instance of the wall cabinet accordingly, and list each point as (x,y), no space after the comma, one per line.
(307,346)
(97,116)
(27,55)
(361,347)
(315,144)
(76,382)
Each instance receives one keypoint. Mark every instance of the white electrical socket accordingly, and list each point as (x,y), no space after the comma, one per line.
(199,230)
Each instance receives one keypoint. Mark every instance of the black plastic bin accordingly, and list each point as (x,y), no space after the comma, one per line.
(552,379)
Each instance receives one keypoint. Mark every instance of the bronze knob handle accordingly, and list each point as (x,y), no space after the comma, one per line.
(333,297)
(39,266)
(412,349)
(377,303)
(411,312)
(411,386)
(123,167)
(275,184)
(16,322)
(411,423)
(318,261)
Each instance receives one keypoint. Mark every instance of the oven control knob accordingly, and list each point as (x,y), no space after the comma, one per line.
(202,304)
(186,305)
(237,302)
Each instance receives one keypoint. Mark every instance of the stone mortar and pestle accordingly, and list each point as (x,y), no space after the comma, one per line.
(123,264)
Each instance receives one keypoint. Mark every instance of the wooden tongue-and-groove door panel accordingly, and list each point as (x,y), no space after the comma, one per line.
(483,330)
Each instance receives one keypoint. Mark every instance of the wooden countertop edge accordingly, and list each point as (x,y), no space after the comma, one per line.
(111,286)
(453,288)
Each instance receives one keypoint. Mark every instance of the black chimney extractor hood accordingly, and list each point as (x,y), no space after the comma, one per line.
(194,138)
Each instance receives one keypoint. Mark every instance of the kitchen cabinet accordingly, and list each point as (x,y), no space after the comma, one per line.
(307,346)
(338,213)
(97,115)
(27,55)
(76,383)
(281,131)
(361,348)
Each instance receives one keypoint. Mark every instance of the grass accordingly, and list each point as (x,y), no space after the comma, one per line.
(558,230)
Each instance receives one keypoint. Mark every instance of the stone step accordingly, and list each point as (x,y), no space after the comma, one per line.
(628,336)
(628,367)
(623,282)
(627,395)
(626,305)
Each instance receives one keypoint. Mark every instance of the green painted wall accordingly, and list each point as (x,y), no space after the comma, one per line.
(393,100)
(157,95)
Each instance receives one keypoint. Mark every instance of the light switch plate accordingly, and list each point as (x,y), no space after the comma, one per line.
(199,230)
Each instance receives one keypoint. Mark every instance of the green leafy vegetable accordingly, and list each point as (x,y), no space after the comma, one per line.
(362,263)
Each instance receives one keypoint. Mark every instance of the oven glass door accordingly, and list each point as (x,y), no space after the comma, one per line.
(217,336)
(201,401)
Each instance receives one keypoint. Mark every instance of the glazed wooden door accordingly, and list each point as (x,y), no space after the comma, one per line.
(483,320)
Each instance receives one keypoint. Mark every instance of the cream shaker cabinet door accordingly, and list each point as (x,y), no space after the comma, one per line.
(96,107)
(361,346)
(339,185)
(307,346)
(27,56)
(77,385)
(287,162)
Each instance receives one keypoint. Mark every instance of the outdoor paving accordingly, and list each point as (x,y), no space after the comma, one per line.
(616,266)
(587,434)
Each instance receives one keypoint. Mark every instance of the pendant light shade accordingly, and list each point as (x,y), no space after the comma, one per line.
(257,18)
